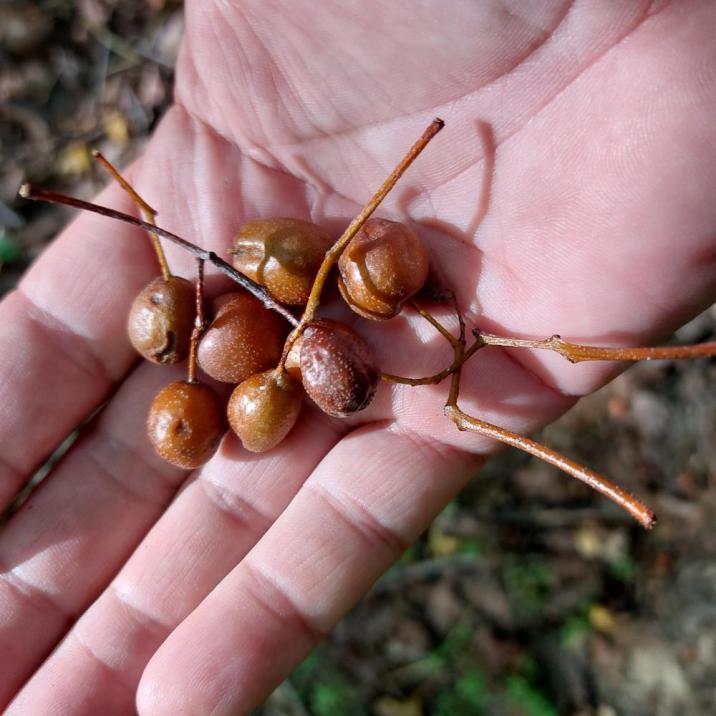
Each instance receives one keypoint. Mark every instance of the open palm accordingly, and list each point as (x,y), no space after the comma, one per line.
(572,192)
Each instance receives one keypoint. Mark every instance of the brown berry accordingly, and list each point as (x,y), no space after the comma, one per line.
(263,409)
(337,366)
(244,338)
(185,423)
(384,264)
(161,319)
(283,255)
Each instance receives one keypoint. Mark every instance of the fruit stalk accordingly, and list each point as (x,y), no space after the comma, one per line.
(29,191)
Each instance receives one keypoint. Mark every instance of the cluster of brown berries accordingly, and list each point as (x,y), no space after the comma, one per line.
(282,263)
(382,266)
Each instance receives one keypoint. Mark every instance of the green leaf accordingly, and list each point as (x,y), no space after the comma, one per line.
(623,568)
(334,696)
(527,698)
(472,689)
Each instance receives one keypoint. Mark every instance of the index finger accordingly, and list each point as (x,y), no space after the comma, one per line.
(63,341)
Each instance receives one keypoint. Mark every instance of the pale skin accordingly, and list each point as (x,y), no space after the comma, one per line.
(595,219)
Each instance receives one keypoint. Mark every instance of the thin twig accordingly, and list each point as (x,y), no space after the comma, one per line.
(596,481)
(149,213)
(198,321)
(575,353)
(28,191)
(437,377)
(434,323)
(454,342)
(334,253)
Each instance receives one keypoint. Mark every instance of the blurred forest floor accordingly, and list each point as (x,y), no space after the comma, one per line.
(529,595)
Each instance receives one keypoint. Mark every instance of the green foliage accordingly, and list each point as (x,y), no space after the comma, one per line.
(473,546)
(326,691)
(528,584)
(623,568)
(472,689)
(468,695)
(456,644)
(332,696)
(452,652)
(574,630)
(306,671)
(529,700)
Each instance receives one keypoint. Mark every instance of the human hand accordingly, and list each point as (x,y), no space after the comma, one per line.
(593,218)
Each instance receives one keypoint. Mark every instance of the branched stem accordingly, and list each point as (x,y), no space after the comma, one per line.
(334,253)
(598,482)
(435,323)
(456,343)
(149,213)
(575,353)
(437,377)
(28,191)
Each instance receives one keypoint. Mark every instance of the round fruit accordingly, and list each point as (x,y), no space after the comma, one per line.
(337,367)
(244,338)
(263,409)
(384,264)
(283,255)
(161,319)
(185,423)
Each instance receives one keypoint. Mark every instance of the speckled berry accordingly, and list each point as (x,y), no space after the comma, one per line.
(283,255)
(185,423)
(384,264)
(161,320)
(263,409)
(337,368)
(244,338)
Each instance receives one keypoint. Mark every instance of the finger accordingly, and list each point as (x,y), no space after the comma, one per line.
(71,537)
(210,527)
(371,496)
(63,340)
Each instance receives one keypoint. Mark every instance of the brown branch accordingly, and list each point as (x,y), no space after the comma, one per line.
(596,481)
(437,377)
(456,343)
(28,191)
(198,321)
(435,323)
(148,212)
(575,353)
